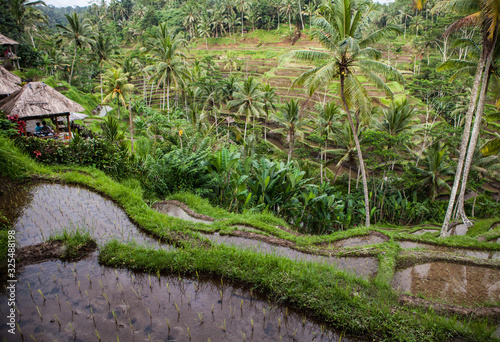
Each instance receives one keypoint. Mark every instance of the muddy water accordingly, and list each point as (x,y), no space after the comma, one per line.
(83,299)
(365,267)
(424,231)
(175,211)
(359,241)
(75,306)
(453,283)
(469,252)
(48,209)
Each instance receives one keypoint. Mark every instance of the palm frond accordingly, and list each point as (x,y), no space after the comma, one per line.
(379,34)
(383,69)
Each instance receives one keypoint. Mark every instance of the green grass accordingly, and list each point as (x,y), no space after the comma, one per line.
(344,302)
(482,226)
(75,242)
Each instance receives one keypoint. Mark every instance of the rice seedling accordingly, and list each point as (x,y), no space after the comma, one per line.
(189,333)
(149,279)
(149,313)
(177,308)
(200,316)
(79,290)
(251,321)
(295,333)
(279,323)
(303,320)
(149,337)
(114,316)
(71,326)
(97,334)
(107,300)
(138,295)
(31,294)
(168,323)
(39,313)
(69,306)
(244,337)
(100,283)
(88,277)
(57,320)
(20,332)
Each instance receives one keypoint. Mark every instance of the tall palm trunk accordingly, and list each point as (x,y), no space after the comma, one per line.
(278,19)
(358,147)
(474,137)
(102,98)
(73,64)
(463,145)
(300,13)
(131,124)
(290,148)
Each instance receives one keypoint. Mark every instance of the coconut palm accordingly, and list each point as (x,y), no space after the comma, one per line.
(242,6)
(248,99)
(435,168)
(398,118)
(290,118)
(20,9)
(170,64)
(339,32)
(117,87)
(289,9)
(76,32)
(345,150)
(102,48)
(328,121)
(190,13)
(204,30)
(270,101)
(487,15)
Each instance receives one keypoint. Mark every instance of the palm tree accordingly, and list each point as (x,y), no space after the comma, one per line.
(171,65)
(270,100)
(289,117)
(117,87)
(19,9)
(339,32)
(190,13)
(435,167)
(204,29)
(76,32)
(345,149)
(398,118)
(289,9)
(102,48)
(487,13)
(249,100)
(33,19)
(328,121)
(242,6)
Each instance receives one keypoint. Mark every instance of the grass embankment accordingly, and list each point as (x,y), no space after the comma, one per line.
(343,301)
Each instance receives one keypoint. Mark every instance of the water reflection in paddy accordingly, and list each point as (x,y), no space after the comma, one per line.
(48,209)
(453,283)
(87,297)
(82,300)
(362,266)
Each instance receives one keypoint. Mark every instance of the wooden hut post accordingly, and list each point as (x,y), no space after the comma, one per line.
(57,125)
(69,127)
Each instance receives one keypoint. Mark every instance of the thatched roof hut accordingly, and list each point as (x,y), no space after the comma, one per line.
(8,82)
(36,101)
(7,41)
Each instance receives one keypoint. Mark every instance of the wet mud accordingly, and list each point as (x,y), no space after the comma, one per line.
(450,282)
(358,241)
(462,251)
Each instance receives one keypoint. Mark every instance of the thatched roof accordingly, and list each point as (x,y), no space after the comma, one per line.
(8,82)
(37,100)
(7,41)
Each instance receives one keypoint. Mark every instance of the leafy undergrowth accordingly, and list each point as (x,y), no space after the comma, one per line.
(356,306)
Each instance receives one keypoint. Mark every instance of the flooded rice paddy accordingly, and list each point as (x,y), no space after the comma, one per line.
(462,251)
(84,301)
(362,266)
(453,283)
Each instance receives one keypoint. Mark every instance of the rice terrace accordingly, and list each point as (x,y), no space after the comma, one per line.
(243,170)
